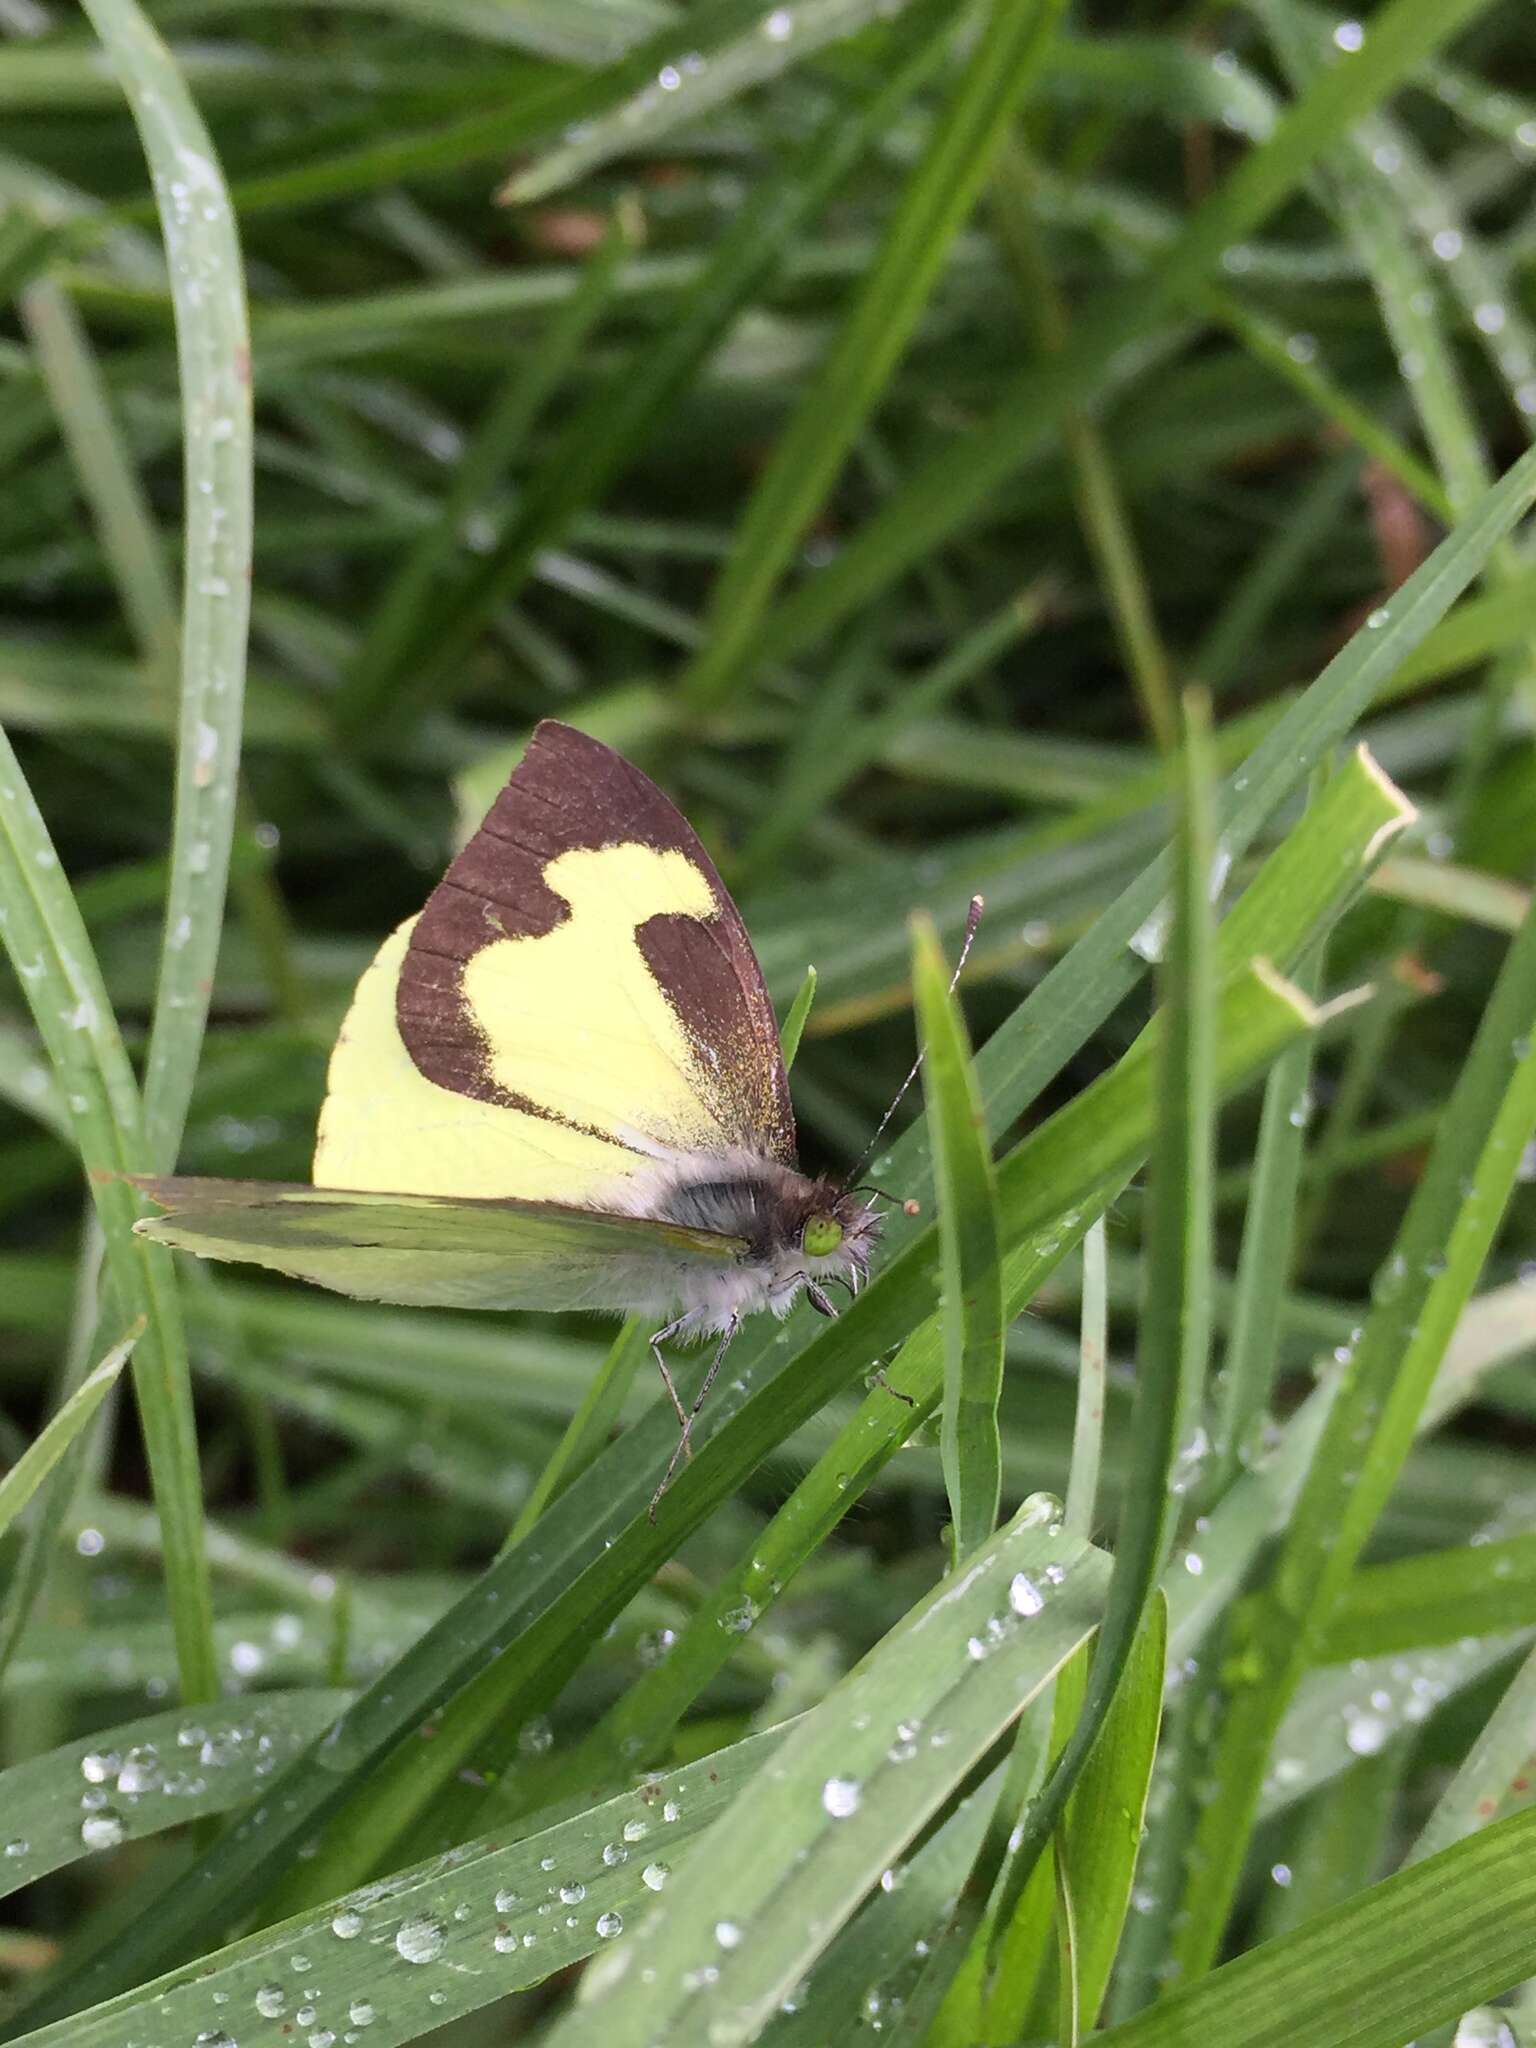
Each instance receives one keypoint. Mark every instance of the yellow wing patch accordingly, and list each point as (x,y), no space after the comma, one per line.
(386,1129)
(575,1019)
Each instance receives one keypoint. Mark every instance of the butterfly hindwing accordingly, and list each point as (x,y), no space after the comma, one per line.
(432,1252)
(578,996)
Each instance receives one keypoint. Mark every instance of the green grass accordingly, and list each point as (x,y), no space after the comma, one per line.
(1075,459)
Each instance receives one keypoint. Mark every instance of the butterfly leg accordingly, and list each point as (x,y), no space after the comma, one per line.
(660,1338)
(685,1440)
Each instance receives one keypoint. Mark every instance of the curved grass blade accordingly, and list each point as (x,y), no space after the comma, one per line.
(214,356)
(38,1460)
(1387,1965)
(971,1300)
(136,1780)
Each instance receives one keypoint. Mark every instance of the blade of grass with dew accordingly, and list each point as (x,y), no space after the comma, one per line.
(33,1467)
(689,91)
(57,970)
(1451,1223)
(155,1779)
(844,1789)
(942,494)
(1175,1323)
(214,357)
(971,1295)
(1016,1063)
(947,179)
(1390,1963)
(477,1914)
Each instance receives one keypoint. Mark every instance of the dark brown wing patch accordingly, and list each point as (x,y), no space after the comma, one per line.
(571,792)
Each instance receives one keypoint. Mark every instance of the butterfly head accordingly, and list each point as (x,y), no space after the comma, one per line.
(837,1232)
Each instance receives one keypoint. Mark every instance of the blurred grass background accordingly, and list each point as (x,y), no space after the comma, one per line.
(871,418)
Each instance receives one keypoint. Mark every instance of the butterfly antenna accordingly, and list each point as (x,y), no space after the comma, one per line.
(972,920)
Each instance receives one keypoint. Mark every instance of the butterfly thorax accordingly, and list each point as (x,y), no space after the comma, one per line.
(797,1231)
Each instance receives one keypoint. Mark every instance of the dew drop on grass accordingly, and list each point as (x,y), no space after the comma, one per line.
(609,1924)
(361,2012)
(271,2001)
(572,1894)
(727,1933)
(840,1797)
(505,1901)
(655,1875)
(103,1829)
(1024,1596)
(420,1940)
(346,1926)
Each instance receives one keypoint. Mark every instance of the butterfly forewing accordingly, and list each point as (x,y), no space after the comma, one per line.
(578,996)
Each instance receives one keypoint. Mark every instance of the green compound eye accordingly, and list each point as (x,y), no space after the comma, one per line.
(821,1236)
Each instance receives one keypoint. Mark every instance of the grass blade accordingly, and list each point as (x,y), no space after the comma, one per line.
(971,1303)
(38,1460)
(1389,1963)
(214,353)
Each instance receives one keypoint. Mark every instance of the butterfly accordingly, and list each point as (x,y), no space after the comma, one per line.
(559,1086)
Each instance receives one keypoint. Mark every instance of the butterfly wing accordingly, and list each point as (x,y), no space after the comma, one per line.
(578,997)
(427,1251)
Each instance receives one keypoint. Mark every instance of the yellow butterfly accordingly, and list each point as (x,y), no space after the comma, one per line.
(559,1087)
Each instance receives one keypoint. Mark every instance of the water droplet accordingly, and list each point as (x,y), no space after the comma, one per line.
(271,2001)
(727,1933)
(1446,244)
(18,1847)
(505,1901)
(572,1894)
(840,1797)
(1489,317)
(504,1941)
(669,78)
(779,26)
(1024,1596)
(346,1926)
(1301,348)
(98,1765)
(102,1830)
(608,1925)
(655,1875)
(1350,36)
(1366,1734)
(361,2012)
(213,2037)
(420,1940)
(634,1831)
